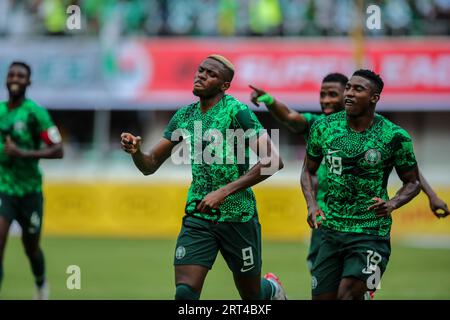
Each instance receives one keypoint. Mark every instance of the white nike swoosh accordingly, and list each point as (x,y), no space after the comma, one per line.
(334,151)
(245,270)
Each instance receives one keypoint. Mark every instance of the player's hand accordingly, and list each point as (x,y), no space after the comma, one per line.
(11,148)
(212,201)
(130,143)
(382,208)
(439,207)
(313,213)
(256,93)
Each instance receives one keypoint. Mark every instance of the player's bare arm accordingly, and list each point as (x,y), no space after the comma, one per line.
(314,178)
(309,191)
(254,176)
(293,120)
(53,151)
(437,205)
(146,163)
(410,189)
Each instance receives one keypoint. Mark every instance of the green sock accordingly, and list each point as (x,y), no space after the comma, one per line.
(267,290)
(185,292)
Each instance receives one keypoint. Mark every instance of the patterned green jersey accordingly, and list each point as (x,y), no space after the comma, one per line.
(227,116)
(322,186)
(28,126)
(358,168)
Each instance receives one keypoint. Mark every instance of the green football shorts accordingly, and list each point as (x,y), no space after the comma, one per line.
(200,240)
(26,210)
(316,237)
(349,255)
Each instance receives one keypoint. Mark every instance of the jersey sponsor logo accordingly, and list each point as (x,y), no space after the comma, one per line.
(372,156)
(180,252)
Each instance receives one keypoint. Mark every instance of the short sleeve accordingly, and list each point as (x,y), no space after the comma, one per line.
(314,144)
(404,158)
(247,120)
(43,119)
(310,118)
(172,126)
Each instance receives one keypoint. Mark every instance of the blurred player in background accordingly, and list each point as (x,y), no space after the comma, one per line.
(221,211)
(331,100)
(27,135)
(360,149)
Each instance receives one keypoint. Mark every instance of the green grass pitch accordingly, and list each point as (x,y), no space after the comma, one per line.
(142,269)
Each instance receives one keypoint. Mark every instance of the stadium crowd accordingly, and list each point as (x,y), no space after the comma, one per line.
(223,17)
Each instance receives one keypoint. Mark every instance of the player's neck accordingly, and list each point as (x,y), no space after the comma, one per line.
(208,103)
(360,123)
(14,102)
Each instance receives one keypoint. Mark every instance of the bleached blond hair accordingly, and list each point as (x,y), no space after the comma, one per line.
(227,63)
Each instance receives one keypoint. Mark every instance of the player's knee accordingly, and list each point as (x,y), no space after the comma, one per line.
(345,294)
(349,293)
(185,292)
(351,289)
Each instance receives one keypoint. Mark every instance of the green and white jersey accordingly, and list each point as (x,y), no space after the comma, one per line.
(358,168)
(225,117)
(28,125)
(322,186)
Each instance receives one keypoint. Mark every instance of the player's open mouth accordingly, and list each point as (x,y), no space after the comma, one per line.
(349,102)
(14,87)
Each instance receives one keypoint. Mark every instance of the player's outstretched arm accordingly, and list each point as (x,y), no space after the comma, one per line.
(293,120)
(269,163)
(309,191)
(437,205)
(146,163)
(51,151)
(410,189)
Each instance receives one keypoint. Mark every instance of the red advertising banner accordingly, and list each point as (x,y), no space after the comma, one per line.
(160,72)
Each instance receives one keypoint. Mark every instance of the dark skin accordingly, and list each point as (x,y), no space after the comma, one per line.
(17,82)
(360,101)
(331,101)
(210,83)
(437,205)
